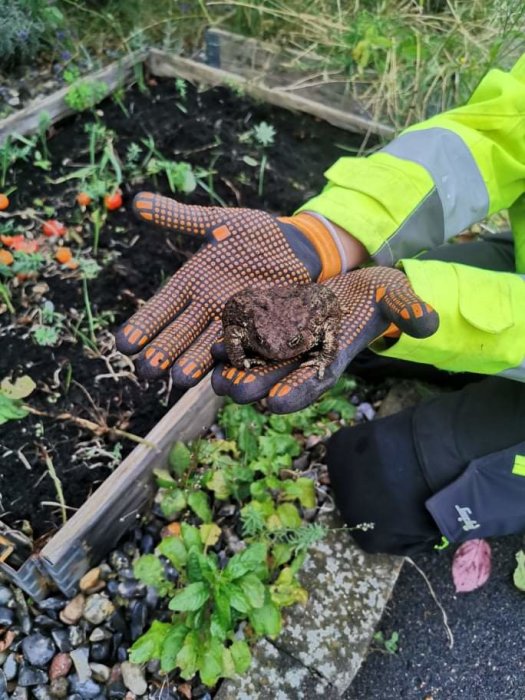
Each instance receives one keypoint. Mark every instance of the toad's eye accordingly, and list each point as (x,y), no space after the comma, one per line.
(295,341)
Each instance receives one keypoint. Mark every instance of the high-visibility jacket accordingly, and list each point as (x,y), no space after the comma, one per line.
(433,181)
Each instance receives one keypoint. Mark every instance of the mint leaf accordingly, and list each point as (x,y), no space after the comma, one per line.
(171,646)
(246,561)
(253,589)
(211,666)
(149,645)
(188,656)
(179,458)
(174,549)
(237,598)
(266,621)
(150,571)
(173,503)
(190,598)
(241,656)
(198,502)
(210,534)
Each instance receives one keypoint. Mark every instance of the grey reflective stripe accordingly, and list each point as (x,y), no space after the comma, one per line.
(457,178)
(422,230)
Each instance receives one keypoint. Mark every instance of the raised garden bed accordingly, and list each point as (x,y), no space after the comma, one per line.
(217,132)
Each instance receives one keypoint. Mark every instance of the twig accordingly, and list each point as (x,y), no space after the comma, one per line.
(432,593)
(93,427)
(58,484)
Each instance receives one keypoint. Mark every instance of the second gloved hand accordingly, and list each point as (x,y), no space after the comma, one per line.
(374,301)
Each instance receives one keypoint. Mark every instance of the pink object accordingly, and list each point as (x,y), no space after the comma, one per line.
(471,565)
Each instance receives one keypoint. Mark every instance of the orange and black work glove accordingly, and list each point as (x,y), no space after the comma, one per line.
(374,301)
(244,248)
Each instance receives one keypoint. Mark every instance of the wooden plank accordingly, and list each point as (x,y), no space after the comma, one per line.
(163,64)
(113,508)
(25,121)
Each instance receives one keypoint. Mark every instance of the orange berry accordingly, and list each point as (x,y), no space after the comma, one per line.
(83,199)
(4,202)
(63,255)
(6,258)
(171,530)
(113,201)
(53,228)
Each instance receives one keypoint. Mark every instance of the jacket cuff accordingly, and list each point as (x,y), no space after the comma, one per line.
(482,319)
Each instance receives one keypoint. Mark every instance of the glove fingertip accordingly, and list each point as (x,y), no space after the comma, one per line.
(129,339)
(143,205)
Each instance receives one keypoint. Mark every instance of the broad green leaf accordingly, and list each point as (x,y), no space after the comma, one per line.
(228,667)
(259,490)
(289,516)
(241,656)
(10,409)
(188,656)
(222,607)
(219,485)
(193,566)
(287,590)
(164,479)
(149,645)
(236,598)
(217,629)
(198,502)
(210,668)
(246,561)
(266,621)
(171,647)
(217,453)
(274,522)
(302,489)
(253,589)
(191,536)
(21,388)
(174,549)
(210,534)
(519,572)
(282,553)
(149,569)
(179,458)
(190,598)
(173,502)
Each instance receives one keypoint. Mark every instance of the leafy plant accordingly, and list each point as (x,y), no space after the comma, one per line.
(180,175)
(252,468)
(85,94)
(389,644)
(48,331)
(11,395)
(25,26)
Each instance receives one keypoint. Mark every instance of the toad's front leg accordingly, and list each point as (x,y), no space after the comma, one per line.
(235,340)
(329,345)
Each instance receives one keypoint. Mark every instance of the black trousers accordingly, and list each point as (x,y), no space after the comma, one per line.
(453,465)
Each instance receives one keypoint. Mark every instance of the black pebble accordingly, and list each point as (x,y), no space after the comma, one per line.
(116,690)
(139,617)
(61,639)
(55,604)
(100,651)
(30,676)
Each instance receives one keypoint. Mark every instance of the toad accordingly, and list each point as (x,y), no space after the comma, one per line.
(282,323)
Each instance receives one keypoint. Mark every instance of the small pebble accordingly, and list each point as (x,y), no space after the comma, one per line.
(30,676)
(46,621)
(6,595)
(7,617)
(139,618)
(100,672)
(131,589)
(42,692)
(20,693)
(118,560)
(90,580)
(72,613)
(62,639)
(133,677)
(59,687)
(116,690)
(38,650)
(98,608)
(10,667)
(53,604)
(98,634)
(147,544)
(77,636)
(100,651)
(80,658)
(60,666)
(88,690)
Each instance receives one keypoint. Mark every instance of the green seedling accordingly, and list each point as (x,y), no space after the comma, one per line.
(390,645)
(11,395)
(85,94)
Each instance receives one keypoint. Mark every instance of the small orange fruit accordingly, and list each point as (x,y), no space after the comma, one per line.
(4,201)
(53,228)
(113,201)
(83,199)
(6,258)
(63,255)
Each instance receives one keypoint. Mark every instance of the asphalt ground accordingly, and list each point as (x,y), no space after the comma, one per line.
(487,660)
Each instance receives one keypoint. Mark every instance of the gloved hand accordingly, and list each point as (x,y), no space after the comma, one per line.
(375,301)
(245,248)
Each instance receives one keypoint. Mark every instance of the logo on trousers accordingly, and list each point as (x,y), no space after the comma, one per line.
(464,517)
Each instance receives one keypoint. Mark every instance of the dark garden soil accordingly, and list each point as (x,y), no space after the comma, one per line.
(204,130)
